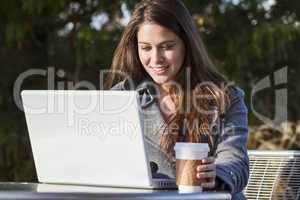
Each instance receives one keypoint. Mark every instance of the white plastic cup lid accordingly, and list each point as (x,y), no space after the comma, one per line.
(189,189)
(203,147)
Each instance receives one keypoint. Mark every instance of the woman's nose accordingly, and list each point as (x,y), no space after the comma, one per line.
(157,56)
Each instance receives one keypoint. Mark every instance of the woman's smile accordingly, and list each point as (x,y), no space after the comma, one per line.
(160,70)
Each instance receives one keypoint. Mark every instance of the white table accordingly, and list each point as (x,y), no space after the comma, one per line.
(12,190)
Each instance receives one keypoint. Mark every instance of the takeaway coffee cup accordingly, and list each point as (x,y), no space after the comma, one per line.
(188,157)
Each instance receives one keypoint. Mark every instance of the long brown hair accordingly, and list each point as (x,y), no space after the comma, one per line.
(173,15)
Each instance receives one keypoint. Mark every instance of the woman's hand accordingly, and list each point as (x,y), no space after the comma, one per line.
(207,173)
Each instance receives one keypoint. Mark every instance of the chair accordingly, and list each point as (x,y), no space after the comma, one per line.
(274,175)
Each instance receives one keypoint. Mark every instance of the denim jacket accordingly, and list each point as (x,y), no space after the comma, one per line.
(231,158)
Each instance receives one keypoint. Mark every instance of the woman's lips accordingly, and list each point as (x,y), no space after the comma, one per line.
(159,70)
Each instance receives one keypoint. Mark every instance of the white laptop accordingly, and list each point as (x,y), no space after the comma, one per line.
(89,138)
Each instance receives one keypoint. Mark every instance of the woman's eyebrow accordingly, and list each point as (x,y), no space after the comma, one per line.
(161,43)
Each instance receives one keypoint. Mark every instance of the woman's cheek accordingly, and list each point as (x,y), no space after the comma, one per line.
(144,59)
(179,57)
(173,57)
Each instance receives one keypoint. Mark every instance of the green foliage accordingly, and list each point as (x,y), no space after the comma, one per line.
(246,41)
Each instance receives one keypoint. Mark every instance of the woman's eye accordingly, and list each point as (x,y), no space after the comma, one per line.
(168,47)
(146,48)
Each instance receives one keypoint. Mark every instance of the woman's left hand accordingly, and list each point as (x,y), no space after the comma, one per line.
(207,172)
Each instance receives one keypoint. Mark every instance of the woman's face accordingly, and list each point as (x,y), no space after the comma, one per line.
(161,52)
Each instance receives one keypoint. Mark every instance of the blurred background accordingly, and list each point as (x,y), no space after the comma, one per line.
(250,41)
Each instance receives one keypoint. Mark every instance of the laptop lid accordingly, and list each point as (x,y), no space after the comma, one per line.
(87,137)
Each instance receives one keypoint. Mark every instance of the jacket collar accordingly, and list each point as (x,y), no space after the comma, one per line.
(147,93)
(146,90)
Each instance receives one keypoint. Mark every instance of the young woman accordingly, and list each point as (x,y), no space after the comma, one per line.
(182,96)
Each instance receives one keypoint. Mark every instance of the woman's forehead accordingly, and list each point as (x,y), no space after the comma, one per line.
(155,34)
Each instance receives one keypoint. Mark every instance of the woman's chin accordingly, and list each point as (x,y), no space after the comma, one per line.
(160,81)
